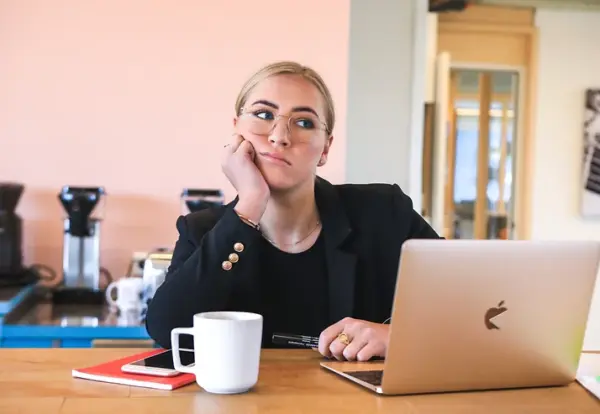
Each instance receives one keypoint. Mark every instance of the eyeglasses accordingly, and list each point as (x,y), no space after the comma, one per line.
(262,121)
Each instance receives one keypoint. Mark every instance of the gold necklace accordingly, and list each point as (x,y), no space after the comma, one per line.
(295,243)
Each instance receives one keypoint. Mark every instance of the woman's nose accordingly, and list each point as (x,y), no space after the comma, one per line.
(280,135)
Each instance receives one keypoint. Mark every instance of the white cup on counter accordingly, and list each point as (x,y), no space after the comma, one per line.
(227,349)
(154,272)
(124,318)
(128,292)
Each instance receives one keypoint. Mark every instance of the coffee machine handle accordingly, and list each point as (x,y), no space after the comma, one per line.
(109,291)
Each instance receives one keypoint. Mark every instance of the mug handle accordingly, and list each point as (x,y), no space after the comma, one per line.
(109,290)
(175,332)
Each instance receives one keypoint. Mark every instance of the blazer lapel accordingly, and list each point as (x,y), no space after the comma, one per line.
(341,265)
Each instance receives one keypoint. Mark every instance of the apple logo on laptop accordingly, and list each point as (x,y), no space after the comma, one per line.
(492,313)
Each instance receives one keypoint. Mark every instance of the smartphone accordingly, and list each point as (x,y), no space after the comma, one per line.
(160,364)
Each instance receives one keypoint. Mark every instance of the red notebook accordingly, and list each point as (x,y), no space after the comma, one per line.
(111,372)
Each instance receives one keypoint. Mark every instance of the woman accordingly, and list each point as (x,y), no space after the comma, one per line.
(313,258)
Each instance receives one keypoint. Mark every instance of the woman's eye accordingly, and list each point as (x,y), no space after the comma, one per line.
(265,115)
(305,123)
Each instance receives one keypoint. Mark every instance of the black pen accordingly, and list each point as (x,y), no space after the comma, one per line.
(304,341)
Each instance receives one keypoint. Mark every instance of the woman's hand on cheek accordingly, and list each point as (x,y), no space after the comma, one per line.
(354,340)
(239,167)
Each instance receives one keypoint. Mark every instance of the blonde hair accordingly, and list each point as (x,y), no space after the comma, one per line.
(289,68)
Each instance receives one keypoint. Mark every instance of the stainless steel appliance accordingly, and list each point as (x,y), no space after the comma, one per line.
(194,199)
(81,242)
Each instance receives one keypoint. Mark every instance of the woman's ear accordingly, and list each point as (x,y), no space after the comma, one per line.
(323,158)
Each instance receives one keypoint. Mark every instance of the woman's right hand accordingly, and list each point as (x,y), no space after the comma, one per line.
(239,167)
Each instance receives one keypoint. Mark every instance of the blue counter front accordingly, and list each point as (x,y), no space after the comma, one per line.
(40,318)
(28,336)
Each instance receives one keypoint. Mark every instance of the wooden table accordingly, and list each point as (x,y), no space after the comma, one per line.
(39,381)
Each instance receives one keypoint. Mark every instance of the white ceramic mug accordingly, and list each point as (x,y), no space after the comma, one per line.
(129,294)
(226,350)
(125,318)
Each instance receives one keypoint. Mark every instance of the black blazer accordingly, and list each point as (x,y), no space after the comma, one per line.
(364,226)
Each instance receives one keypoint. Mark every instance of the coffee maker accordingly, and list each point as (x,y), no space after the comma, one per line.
(195,199)
(81,242)
(11,231)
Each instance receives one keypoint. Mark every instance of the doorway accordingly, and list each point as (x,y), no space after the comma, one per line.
(477,158)
(481,147)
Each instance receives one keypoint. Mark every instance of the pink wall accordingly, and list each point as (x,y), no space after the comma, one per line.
(138,96)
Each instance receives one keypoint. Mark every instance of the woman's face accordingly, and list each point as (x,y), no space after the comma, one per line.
(284,120)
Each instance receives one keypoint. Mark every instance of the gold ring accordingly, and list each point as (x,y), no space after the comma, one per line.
(343,338)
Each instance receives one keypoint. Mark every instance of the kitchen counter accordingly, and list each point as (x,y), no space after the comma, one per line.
(68,318)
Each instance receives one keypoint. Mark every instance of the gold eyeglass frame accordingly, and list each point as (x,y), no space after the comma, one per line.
(244,111)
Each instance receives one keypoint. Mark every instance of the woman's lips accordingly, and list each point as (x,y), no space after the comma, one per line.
(275,158)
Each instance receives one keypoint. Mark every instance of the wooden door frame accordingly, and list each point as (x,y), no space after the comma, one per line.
(519,183)
(508,22)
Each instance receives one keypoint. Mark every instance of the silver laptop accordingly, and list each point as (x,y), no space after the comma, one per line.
(483,314)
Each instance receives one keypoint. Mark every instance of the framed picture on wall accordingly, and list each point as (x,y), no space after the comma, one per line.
(590,203)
